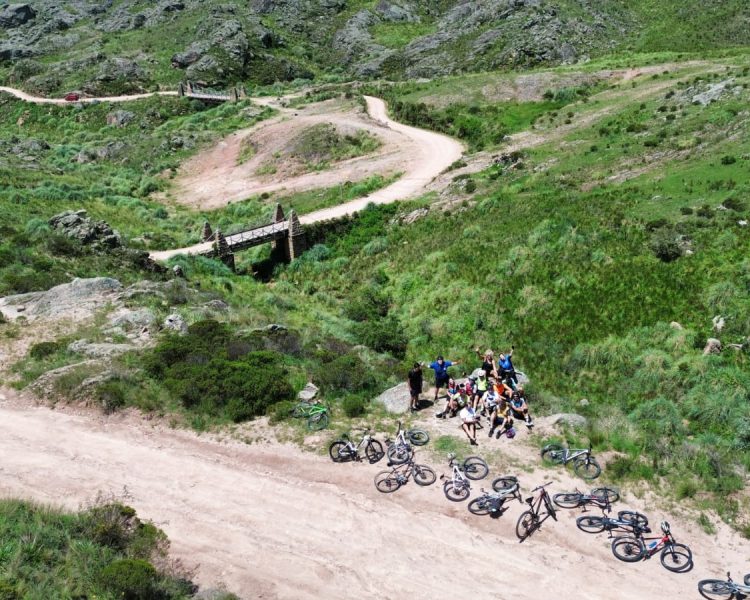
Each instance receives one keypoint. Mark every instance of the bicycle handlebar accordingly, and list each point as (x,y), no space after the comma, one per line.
(539,487)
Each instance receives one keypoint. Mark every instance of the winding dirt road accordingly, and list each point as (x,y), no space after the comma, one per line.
(271,521)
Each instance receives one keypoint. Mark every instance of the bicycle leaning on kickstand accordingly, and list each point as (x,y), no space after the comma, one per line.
(538,512)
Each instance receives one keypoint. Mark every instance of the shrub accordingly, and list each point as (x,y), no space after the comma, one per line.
(734,204)
(470,186)
(344,373)
(130,579)
(664,245)
(354,406)
(44,349)
(686,210)
(728,160)
(384,335)
(279,411)
(111,395)
(705,211)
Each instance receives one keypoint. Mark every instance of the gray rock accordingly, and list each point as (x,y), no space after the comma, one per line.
(99,350)
(308,393)
(77,225)
(175,322)
(396,399)
(12,51)
(676,325)
(713,93)
(78,300)
(15,15)
(713,346)
(718,323)
(121,68)
(196,50)
(217,305)
(565,419)
(171,6)
(130,320)
(44,386)
(583,402)
(393,12)
(120,118)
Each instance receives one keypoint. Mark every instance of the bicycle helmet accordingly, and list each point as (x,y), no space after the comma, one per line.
(511,433)
(665,527)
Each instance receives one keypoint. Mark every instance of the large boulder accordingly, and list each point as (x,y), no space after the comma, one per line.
(98,350)
(77,225)
(121,68)
(15,15)
(713,346)
(308,393)
(396,399)
(120,118)
(176,323)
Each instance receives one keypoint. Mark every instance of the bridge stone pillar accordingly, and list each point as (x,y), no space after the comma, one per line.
(181,90)
(233,95)
(296,241)
(207,235)
(222,250)
(188,88)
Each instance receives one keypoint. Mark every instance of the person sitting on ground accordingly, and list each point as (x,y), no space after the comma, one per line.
(440,366)
(414,379)
(505,369)
(469,423)
(500,419)
(489,400)
(451,401)
(480,389)
(488,361)
(520,407)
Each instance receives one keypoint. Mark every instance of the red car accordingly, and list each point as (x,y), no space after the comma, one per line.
(72,97)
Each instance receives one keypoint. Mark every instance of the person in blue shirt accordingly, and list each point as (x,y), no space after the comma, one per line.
(505,369)
(440,366)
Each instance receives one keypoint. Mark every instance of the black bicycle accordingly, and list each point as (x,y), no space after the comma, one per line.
(493,504)
(532,519)
(627,521)
(719,589)
(600,497)
(390,481)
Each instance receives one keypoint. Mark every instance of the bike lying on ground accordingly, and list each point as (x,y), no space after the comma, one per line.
(584,464)
(718,589)
(457,488)
(317,414)
(493,503)
(390,481)
(627,521)
(675,557)
(532,519)
(344,449)
(601,497)
(400,450)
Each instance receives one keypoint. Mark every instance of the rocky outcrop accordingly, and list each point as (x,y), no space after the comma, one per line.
(99,350)
(308,393)
(175,323)
(120,118)
(15,15)
(396,399)
(713,346)
(77,225)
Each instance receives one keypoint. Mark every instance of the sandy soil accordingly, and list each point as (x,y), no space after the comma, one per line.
(273,522)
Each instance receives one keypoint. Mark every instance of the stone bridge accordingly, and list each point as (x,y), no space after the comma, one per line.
(286,236)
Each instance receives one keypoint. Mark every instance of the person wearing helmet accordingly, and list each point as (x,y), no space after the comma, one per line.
(440,366)
(480,389)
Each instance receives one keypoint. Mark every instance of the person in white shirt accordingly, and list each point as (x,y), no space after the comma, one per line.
(469,423)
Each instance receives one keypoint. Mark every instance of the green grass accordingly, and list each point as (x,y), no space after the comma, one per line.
(398,35)
(309,201)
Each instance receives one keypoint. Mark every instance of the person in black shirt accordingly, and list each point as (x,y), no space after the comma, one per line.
(488,362)
(415,385)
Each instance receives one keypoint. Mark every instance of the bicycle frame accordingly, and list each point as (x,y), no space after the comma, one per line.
(571,455)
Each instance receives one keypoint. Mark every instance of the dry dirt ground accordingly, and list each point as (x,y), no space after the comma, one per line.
(271,521)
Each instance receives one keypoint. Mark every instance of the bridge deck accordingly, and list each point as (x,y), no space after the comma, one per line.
(250,238)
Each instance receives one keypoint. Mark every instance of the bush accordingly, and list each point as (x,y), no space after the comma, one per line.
(131,579)
(44,349)
(280,411)
(664,245)
(728,160)
(354,406)
(384,335)
(111,395)
(344,373)
(470,186)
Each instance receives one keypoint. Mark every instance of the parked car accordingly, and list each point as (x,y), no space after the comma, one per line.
(72,97)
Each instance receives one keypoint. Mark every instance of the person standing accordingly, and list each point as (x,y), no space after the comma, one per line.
(414,379)
(505,369)
(488,362)
(440,366)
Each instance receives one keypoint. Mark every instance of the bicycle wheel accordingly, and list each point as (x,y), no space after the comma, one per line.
(587,468)
(387,482)
(300,409)
(475,468)
(553,453)
(606,494)
(418,437)
(423,475)
(550,507)
(677,558)
(455,494)
(398,454)
(504,483)
(590,524)
(747,579)
(339,451)
(627,549)
(633,518)
(526,525)
(317,421)
(716,589)
(374,451)
(480,506)
(568,499)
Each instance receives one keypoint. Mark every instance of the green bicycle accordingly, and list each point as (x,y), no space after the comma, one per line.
(316,414)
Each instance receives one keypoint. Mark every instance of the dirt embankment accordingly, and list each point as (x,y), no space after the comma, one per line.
(271,521)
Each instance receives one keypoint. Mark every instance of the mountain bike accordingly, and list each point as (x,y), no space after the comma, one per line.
(601,497)
(584,464)
(457,488)
(627,521)
(532,519)
(717,589)
(390,481)
(493,503)
(675,557)
(344,449)
(400,450)
(317,414)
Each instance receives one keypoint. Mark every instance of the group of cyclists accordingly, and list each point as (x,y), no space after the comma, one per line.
(491,391)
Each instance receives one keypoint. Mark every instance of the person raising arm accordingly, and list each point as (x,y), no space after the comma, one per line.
(440,366)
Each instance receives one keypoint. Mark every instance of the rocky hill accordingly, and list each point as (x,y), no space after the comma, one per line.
(113,46)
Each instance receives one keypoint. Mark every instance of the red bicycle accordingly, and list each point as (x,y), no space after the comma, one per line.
(675,557)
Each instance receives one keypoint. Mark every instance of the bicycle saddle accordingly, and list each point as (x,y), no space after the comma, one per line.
(530,500)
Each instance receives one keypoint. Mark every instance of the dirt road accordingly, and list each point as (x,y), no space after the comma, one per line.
(21,95)
(273,522)
(212,179)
